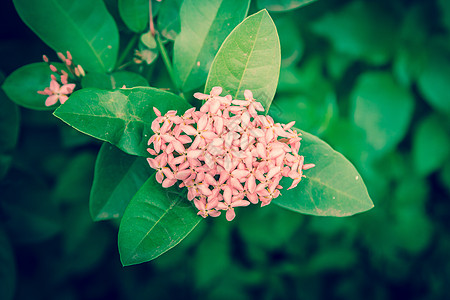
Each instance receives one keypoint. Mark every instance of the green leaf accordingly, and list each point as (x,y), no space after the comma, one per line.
(122,117)
(134,14)
(148,48)
(21,86)
(117,178)
(431,145)
(83,27)
(9,132)
(7,267)
(156,220)
(114,81)
(282,5)
(249,59)
(383,109)
(332,188)
(168,22)
(204,26)
(434,80)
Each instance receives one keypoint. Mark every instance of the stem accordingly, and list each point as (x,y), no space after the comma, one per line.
(150,13)
(167,63)
(127,49)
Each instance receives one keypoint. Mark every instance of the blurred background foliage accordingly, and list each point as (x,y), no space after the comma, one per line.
(371,78)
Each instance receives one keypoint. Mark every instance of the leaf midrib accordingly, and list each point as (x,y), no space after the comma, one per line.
(156,223)
(249,57)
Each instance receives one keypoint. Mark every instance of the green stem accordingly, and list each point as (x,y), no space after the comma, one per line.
(167,63)
(127,49)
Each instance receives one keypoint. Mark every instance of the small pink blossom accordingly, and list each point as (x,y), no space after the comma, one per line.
(225,154)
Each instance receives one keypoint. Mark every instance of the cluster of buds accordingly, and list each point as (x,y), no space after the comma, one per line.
(60,88)
(225,154)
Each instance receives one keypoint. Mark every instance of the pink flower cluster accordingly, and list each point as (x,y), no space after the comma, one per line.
(225,154)
(59,90)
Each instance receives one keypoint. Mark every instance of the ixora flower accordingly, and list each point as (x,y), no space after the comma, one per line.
(59,90)
(225,154)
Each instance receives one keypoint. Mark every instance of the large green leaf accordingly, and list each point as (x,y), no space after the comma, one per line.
(7,267)
(83,27)
(9,132)
(204,26)
(155,221)
(249,59)
(122,117)
(117,178)
(21,86)
(282,5)
(383,109)
(332,188)
(431,145)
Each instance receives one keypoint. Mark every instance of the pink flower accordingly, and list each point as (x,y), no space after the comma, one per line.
(225,154)
(56,92)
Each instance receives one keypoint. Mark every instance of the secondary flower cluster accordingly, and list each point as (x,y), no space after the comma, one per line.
(60,88)
(225,154)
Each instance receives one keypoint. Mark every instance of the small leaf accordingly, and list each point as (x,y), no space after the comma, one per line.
(148,49)
(282,5)
(204,26)
(332,188)
(249,59)
(155,221)
(9,132)
(384,113)
(22,85)
(83,27)
(431,145)
(7,267)
(117,178)
(122,117)
(169,19)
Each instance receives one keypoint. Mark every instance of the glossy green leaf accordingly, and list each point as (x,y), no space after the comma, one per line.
(9,132)
(122,117)
(21,86)
(83,27)
(384,113)
(431,145)
(434,80)
(117,178)
(134,14)
(282,5)
(204,26)
(249,59)
(332,188)
(168,22)
(114,81)
(155,221)
(7,268)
